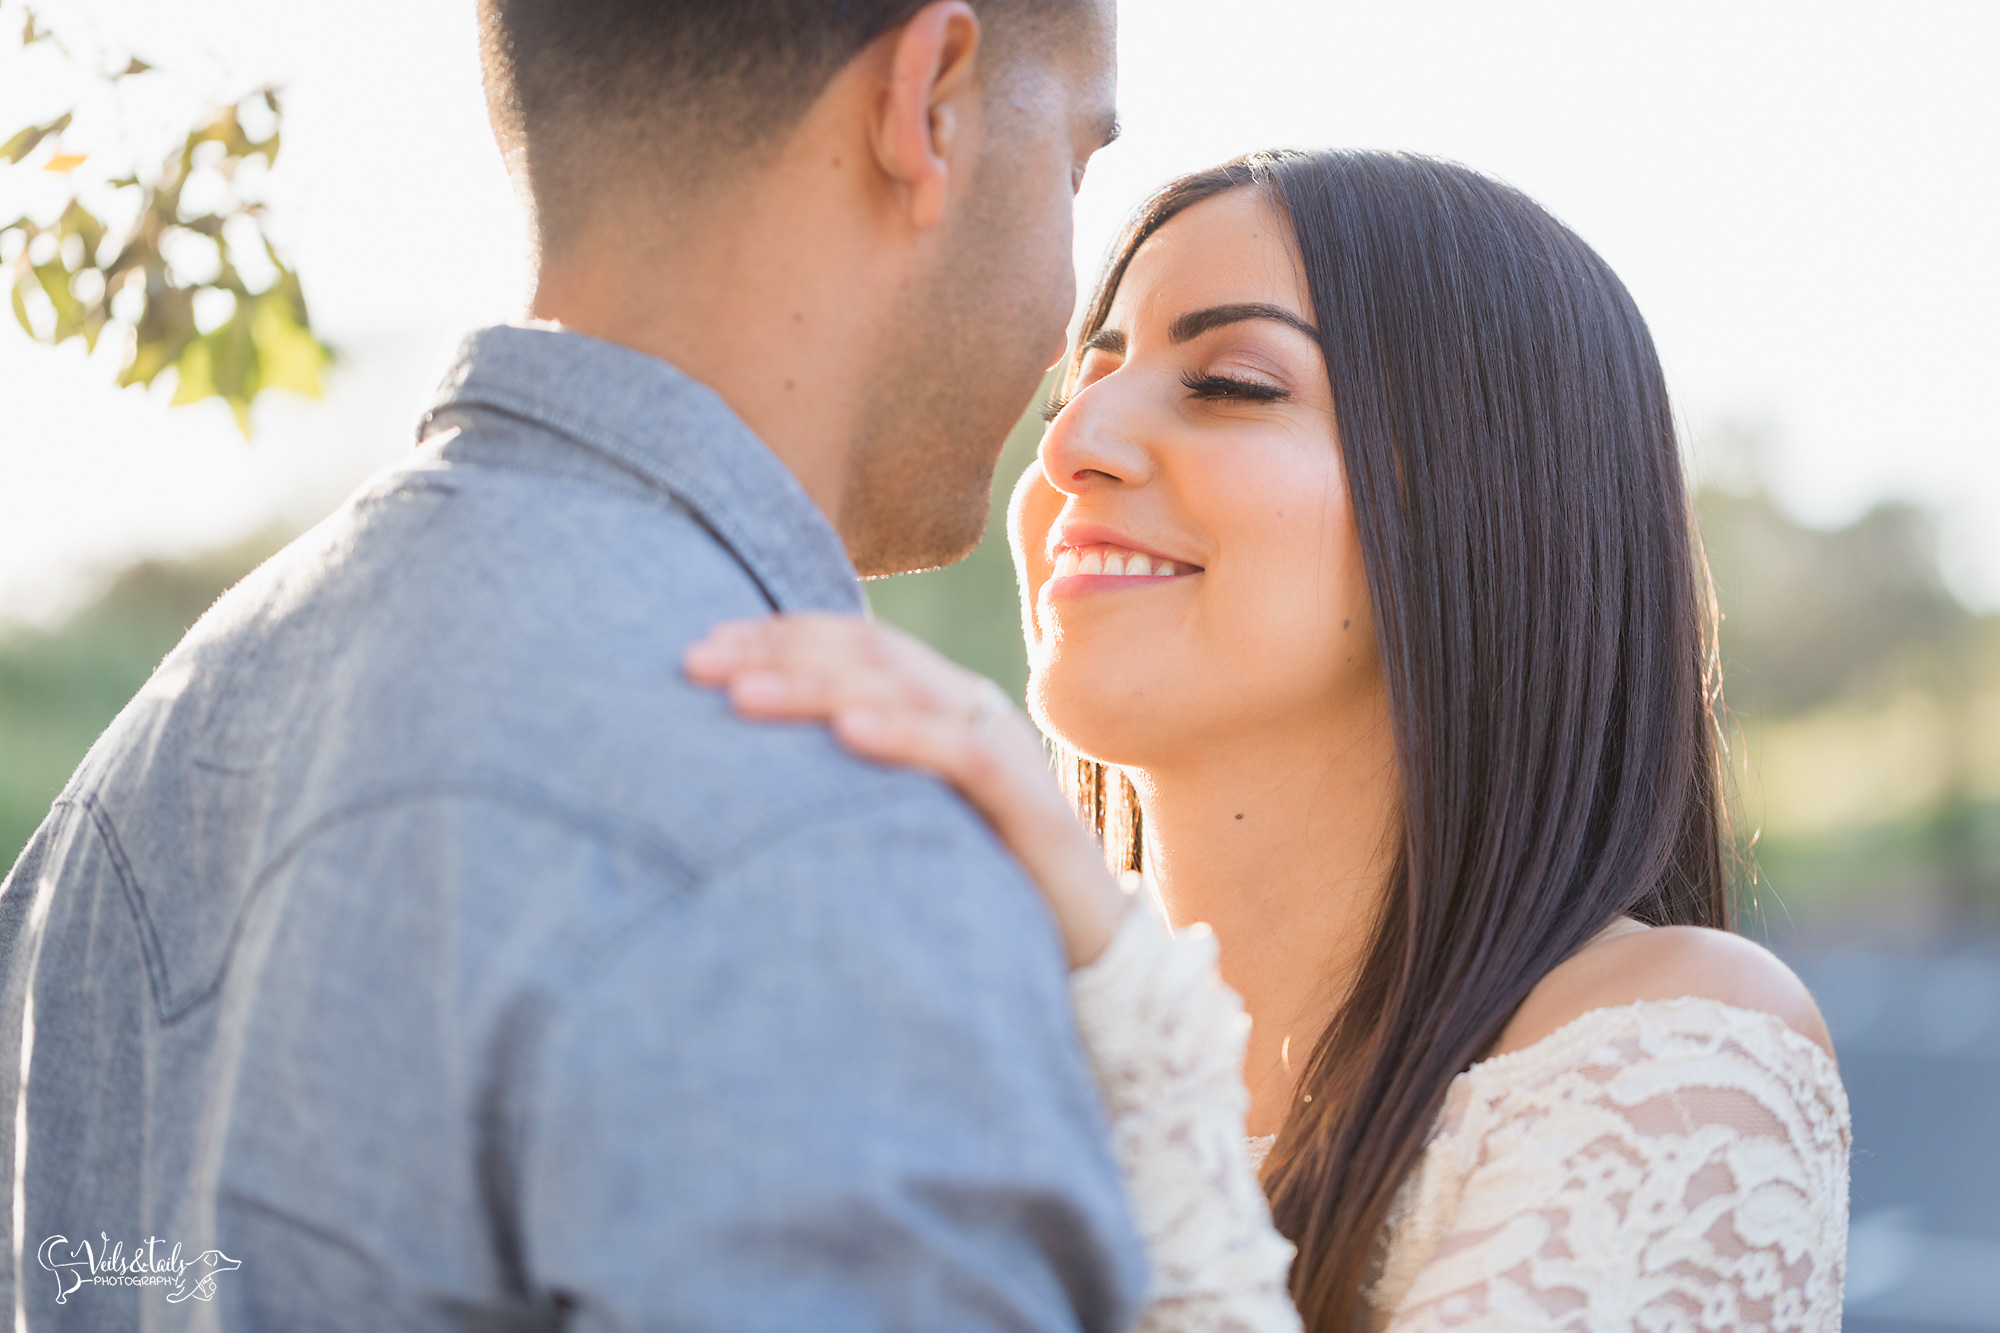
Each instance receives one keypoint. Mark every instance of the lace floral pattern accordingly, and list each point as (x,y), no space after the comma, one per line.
(1676,1164)
(1669,1165)
(1166,1039)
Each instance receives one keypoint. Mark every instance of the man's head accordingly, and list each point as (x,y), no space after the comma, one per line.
(896,174)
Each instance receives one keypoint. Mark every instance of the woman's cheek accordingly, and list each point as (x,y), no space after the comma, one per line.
(1032,510)
(1285,608)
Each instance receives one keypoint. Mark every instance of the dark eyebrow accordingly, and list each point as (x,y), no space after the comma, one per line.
(1197,322)
(1105,340)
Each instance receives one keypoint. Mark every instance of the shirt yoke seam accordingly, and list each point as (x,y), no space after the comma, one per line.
(681,873)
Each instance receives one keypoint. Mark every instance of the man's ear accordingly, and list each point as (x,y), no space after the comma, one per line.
(925,117)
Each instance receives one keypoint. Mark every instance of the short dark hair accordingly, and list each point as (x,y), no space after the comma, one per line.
(688,83)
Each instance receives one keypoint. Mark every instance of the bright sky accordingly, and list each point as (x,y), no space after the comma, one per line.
(1802,196)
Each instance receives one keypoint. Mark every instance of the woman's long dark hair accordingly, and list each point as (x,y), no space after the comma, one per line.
(1546,631)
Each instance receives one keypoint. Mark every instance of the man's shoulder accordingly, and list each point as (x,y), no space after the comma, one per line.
(427,703)
(465,625)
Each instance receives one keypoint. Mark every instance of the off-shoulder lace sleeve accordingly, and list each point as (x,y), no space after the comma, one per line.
(1666,1165)
(1166,1038)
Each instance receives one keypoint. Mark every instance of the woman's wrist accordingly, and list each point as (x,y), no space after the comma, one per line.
(1087,900)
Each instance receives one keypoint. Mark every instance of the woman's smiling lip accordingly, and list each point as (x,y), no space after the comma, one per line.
(1089,540)
(1064,587)
(1087,559)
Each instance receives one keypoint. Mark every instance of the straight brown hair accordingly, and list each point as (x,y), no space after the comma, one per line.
(1547,639)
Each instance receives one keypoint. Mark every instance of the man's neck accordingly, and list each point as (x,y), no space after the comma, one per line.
(777,317)
(1282,844)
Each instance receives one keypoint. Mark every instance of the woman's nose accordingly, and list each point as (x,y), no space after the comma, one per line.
(1095,442)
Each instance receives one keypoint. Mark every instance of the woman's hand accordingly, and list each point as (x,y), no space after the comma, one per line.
(890,698)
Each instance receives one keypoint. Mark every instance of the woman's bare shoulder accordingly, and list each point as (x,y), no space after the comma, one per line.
(1665,963)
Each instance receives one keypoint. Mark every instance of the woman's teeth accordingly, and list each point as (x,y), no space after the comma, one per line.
(1101,560)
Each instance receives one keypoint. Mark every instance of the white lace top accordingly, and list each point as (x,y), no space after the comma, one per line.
(1677,1164)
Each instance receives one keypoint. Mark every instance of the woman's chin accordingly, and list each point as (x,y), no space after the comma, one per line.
(1123,732)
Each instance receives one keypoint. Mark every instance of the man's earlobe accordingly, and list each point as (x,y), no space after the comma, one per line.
(918,132)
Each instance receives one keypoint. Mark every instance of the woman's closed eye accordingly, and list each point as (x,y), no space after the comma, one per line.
(1205,387)
(1213,388)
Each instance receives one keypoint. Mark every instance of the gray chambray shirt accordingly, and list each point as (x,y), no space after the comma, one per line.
(419,950)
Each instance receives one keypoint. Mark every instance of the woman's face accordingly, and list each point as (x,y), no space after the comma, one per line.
(1186,545)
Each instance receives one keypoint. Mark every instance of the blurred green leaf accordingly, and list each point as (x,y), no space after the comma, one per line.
(235,357)
(195,370)
(29,139)
(164,332)
(54,279)
(76,220)
(288,356)
(266,343)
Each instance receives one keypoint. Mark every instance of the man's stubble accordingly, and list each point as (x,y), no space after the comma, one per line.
(959,363)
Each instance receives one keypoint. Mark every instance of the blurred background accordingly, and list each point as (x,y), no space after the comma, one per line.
(1801,196)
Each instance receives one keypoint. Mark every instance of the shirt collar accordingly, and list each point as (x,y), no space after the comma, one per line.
(675,432)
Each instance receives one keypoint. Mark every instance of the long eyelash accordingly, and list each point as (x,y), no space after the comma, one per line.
(1053,408)
(1224,386)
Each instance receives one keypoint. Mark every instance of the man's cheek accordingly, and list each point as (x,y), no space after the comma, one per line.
(1059,229)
